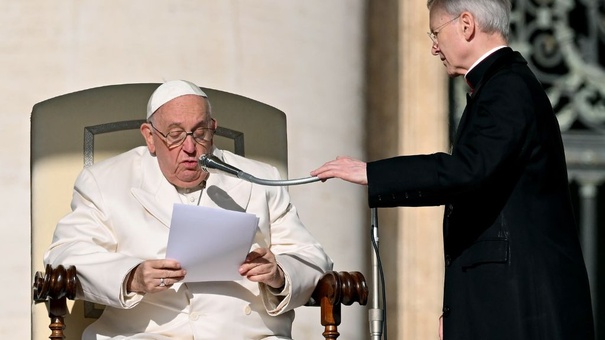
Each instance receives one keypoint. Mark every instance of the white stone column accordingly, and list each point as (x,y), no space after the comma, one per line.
(408,114)
(423,126)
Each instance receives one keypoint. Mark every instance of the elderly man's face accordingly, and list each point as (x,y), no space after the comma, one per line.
(179,164)
(448,42)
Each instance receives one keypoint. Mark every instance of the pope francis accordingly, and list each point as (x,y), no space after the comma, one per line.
(117,232)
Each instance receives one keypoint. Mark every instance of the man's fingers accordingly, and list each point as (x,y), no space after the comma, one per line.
(175,275)
(165,264)
(256,254)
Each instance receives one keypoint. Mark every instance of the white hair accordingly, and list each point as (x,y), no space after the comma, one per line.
(491,15)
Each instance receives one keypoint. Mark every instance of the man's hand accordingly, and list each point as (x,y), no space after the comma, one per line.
(441,327)
(154,276)
(260,266)
(346,168)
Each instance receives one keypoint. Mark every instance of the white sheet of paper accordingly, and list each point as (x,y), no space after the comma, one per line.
(210,243)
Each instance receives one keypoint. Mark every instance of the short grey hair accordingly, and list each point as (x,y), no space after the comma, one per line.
(491,15)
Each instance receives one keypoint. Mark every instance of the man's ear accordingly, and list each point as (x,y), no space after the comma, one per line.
(148,135)
(468,23)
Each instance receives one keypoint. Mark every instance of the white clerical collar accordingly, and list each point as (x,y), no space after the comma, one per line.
(483,57)
(191,195)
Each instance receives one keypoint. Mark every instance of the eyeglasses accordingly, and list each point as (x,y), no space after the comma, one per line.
(433,33)
(176,137)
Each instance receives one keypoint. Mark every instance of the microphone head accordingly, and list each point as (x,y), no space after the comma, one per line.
(203,162)
(210,163)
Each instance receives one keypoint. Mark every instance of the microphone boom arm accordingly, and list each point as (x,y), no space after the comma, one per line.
(212,162)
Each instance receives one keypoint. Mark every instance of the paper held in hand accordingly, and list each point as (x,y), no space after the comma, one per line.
(210,243)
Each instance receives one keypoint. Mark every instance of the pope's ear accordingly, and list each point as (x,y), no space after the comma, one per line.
(147,133)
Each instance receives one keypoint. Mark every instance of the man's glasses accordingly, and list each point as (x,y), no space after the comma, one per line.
(174,138)
(433,33)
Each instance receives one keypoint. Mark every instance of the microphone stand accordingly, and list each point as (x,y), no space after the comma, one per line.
(375,314)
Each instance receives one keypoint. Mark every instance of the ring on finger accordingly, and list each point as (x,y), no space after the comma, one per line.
(162,282)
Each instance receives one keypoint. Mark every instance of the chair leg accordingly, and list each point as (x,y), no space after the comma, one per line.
(330,319)
(56,312)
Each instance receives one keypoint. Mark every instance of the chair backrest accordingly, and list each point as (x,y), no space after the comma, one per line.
(75,130)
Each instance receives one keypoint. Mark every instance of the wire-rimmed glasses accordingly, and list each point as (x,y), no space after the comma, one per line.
(176,137)
(433,34)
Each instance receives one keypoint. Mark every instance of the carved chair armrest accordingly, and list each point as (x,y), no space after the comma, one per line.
(333,290)
(56,285)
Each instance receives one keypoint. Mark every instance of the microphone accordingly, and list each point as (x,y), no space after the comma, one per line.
(209,162)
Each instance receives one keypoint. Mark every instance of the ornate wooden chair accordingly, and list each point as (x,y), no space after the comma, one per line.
(73,131)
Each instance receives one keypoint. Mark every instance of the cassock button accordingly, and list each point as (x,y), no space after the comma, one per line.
(448,260)
(446,311)
(450,209)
